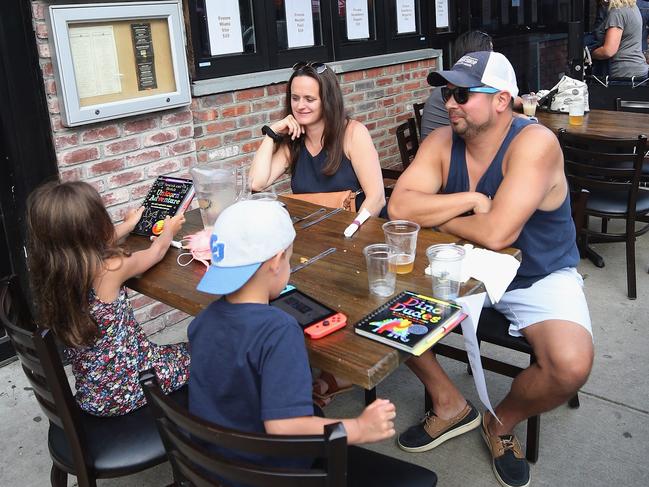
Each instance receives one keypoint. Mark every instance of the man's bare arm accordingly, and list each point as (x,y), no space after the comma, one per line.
(415,196)
(534,159)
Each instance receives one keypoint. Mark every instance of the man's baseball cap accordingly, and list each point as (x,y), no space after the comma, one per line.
(482,68)
(245,235)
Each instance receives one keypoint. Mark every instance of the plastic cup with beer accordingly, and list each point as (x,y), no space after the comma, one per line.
(380,271)
(576,112)
(403,235)
(529,104)
(446,269)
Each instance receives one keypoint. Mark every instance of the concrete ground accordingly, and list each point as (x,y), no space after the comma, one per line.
(605,442)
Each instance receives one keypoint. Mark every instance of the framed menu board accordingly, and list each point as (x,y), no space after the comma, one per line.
(115,60)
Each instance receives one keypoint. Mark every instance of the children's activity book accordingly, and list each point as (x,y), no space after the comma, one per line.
(167,197)
(411,322)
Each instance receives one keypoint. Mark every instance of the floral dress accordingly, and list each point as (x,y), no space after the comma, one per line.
(107,372)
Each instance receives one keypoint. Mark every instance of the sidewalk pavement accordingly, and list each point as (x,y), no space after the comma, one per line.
(604,442)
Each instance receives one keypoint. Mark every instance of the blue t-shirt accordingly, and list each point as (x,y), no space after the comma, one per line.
(249,364)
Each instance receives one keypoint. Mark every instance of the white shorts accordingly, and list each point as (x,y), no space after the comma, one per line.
(558,296)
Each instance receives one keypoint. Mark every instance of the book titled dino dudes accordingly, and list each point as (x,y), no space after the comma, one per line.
(411,322)
(167,197)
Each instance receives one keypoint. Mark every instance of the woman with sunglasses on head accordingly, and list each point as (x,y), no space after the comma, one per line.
(322,148)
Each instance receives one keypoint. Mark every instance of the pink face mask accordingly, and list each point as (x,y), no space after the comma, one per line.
(198,245)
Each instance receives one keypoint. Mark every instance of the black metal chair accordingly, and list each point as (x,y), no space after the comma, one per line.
(637,106)
(407,142)
(610,170)
(80,444)
(192,445)
(418,108)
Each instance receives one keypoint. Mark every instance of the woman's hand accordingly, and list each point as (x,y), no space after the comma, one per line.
(288,125)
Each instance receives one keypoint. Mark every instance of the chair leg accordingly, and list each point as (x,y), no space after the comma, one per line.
(58,478)
(574,401)
(630,264)
(370,396)
(533,432)
(604,225)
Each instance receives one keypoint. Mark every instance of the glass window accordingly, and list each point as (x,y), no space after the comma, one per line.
(309,35)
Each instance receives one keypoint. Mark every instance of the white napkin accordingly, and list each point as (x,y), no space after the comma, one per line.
(494,269)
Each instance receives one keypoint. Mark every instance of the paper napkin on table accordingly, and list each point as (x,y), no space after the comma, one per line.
(494,269)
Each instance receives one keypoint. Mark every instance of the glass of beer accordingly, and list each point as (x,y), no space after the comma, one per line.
(402,234)
(446,269)
(576,113)
(529,104)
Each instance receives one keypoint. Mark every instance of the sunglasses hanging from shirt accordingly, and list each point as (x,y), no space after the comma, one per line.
(461,95)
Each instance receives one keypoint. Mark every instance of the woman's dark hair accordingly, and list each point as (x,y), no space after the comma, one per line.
(70,234)
(333,113)
(472,41)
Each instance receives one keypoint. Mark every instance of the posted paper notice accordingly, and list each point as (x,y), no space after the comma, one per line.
(358,19)
(299,23)
(224,26)
(94,57)
(441,13)
(406,20)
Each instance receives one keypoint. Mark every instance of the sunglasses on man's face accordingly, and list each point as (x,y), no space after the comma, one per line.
(317,67)
(461,95)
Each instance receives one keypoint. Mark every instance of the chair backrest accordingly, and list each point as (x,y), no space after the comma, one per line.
(190,442)
(407,141)
(418,108)
(41,363)
(604,165)
(638,106)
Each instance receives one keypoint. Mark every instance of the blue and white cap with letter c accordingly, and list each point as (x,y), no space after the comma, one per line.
(245,235)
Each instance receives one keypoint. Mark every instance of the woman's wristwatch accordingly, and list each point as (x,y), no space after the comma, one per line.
(266,130)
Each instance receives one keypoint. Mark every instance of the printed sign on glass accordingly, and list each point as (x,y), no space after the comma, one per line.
(406,21)
(358,19)
(299,23)
(441,13)
(224,26)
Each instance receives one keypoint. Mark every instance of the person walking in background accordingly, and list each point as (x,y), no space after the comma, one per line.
(78,270)
(623,40)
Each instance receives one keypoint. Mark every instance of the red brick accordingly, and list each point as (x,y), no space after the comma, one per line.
(403,117)
(205,115)
(41,30)
(150,326)
(277,89)
(384,81)
(116,197)
(386,102)
(140,190)
(237,136)
(74,174)
(43,50)
(177,118)
(219,127)
(121,146)
(125,178)
(38,11)
(140,301)
(355,98)
(353,76)
(142,125)
(276,114)
(175,316)
(251,146)
(412,86)
(106,166)
(198,132)
(377,114)
(180,147)
(160,137)
(159,308)
(235,111)
(184,132)
(251,94)
(208,142)
(53,104)
(48,70)
(374,73)
(396,109)
(397,68)
(260,106)
(163,167)
(250,120)
(65,141)
(216,100)
(188,160)
(100,133)
(405,97)
(143,157)
(201,157)
(77,156)
(402,77)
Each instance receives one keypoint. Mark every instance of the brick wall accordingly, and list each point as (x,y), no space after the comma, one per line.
(122,157)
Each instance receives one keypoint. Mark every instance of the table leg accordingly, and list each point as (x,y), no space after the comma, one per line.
(370,396)
(594,257)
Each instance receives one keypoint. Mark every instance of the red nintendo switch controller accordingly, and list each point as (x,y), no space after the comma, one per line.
(326,326)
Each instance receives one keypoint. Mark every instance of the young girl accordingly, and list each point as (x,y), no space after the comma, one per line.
(78,270)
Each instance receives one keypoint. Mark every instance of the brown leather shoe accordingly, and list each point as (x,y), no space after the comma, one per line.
(432,431)
(508,462)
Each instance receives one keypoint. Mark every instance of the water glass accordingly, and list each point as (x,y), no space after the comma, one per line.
(402,234)
(380,269)
(446,269)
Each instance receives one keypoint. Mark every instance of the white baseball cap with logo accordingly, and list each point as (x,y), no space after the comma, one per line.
(245,235)
(482,68)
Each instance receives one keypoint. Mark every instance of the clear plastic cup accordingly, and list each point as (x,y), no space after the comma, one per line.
(402,234)
(576,113)
(380,269)
(446,269)
(529,104)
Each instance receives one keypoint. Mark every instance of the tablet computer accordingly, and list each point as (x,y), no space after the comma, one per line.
(303,308)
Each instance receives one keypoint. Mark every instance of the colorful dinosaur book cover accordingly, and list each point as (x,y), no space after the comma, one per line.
(411,322)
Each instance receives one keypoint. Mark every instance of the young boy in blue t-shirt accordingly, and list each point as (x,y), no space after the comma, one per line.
(249,368)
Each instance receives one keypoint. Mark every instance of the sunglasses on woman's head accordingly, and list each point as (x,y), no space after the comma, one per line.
(319,68)
(461,95)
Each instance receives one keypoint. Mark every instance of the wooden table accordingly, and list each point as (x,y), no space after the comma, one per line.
(599,123)
(338,280)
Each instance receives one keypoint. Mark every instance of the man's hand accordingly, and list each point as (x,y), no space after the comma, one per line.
(375,423)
